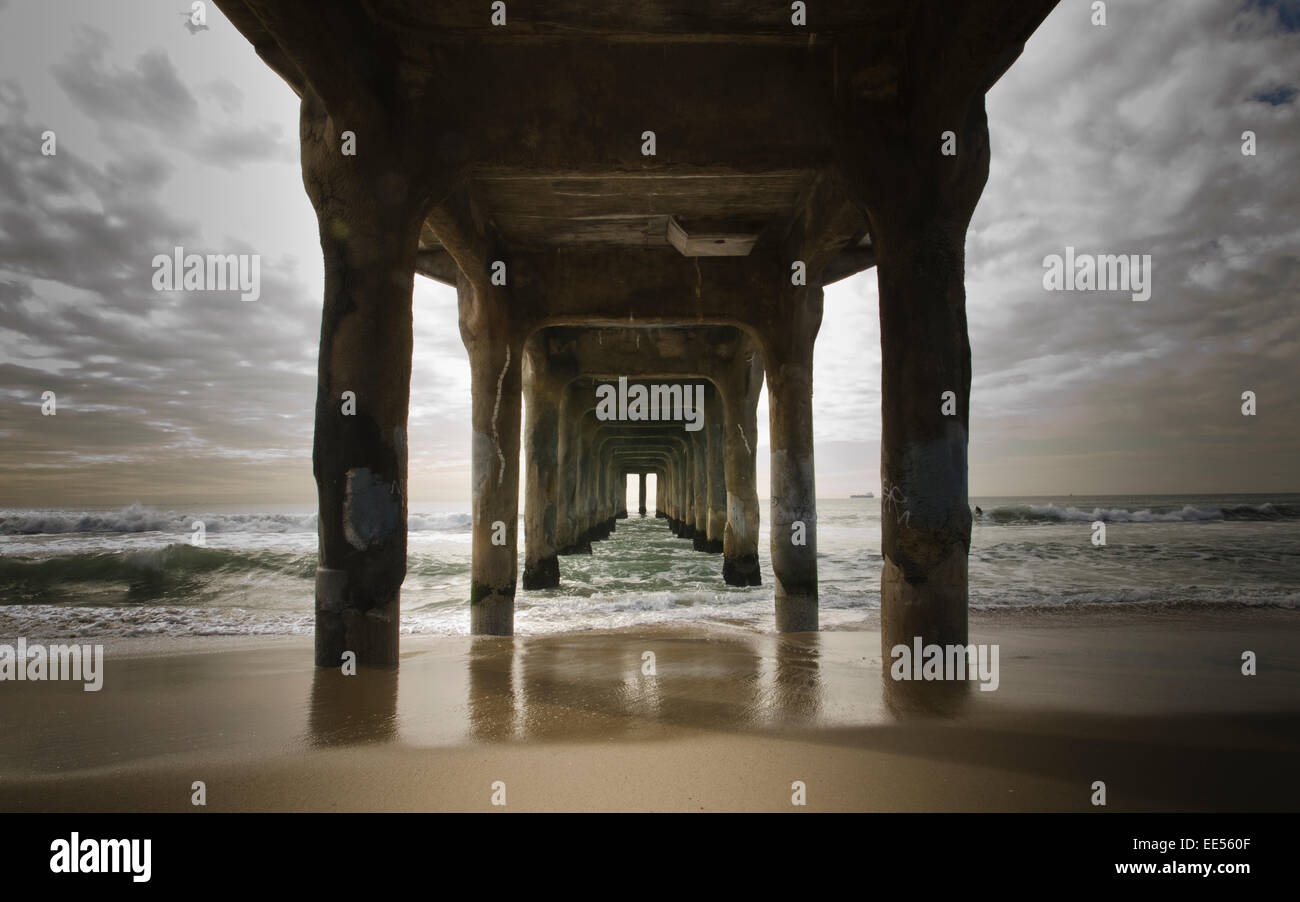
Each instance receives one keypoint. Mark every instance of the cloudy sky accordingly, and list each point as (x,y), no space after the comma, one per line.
(1117,139)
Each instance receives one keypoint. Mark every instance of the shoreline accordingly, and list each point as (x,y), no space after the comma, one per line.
(1153,704)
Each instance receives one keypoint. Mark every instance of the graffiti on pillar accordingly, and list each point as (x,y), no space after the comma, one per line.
(892,497)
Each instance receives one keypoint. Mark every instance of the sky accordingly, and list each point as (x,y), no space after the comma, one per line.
(1117,139)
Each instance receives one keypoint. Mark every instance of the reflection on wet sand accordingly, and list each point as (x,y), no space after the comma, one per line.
(345,710)
(571,688)
(905,699)
(725,719)
(600,686)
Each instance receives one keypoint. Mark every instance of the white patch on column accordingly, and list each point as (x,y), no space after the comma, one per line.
(370,509)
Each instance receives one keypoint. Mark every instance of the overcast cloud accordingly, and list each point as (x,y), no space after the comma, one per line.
(1122,139)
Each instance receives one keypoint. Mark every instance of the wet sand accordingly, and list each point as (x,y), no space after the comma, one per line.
(1150,700)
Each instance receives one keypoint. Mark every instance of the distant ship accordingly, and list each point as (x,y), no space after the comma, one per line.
(867,495)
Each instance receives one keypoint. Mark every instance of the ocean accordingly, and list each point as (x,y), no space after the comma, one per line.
(134,571)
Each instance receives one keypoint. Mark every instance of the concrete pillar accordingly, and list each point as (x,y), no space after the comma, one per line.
(593,519)
(788,358)
(586,494)
(699,442)
(541,449)
(574,523)
(369,237)
(496,367)
(641,494)
(740,540)
(688,492)
(670,495)
(566,527)
(918,226)
(660,495)
(715,432)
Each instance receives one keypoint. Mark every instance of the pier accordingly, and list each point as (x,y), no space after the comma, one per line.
(656,191)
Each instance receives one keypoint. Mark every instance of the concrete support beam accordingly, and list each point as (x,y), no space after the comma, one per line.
(700,490)
(541,456)
(660,494)
(788,354)
(640,507)
(715,432)
(740,539)
(918,224)
(369,239)
(496,366)
(569,528)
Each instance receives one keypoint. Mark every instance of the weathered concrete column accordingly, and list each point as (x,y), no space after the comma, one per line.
(918,226)
(495,348)
(715,432)
(616,478)
(661,493)
(541,457)
(685,498)
(687,494)
(569,531)
(700,487)
(593,472)
(620,496)
(740,540)
(369,229)
(593,467)
(641,494)
(609,511)
(586,504)
(925,517)
(788,357)
(670,494)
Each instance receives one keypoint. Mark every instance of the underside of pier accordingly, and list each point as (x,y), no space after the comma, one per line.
(644,194)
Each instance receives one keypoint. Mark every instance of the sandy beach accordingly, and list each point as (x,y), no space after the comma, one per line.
(1151,701)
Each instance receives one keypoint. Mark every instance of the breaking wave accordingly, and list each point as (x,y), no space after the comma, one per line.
(1050,513)
(174,561)
(138,518)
